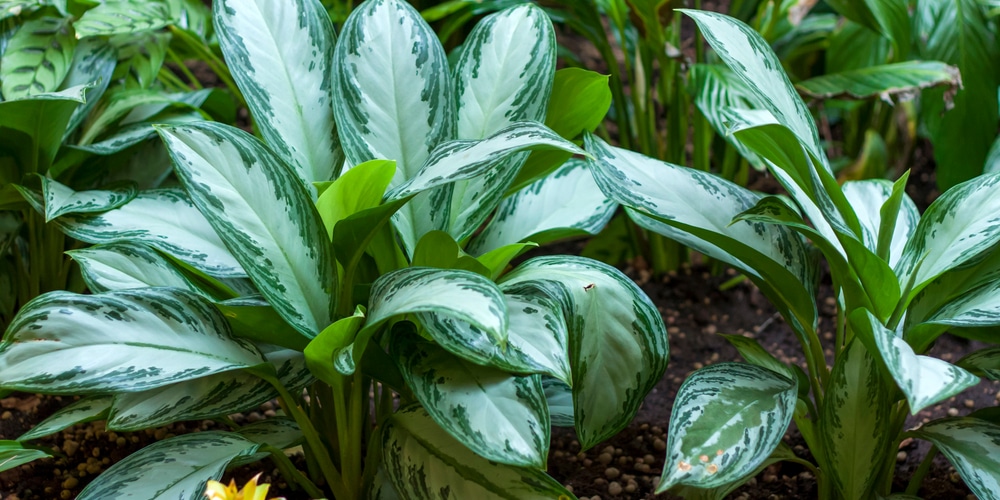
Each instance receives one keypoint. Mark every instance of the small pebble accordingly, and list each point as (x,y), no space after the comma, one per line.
(970,404)
(615,488)
(612,473)
(6,415)
(659,445)
(604,458)
(952,412)
(901,456)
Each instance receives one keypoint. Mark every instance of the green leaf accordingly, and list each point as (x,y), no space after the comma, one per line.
(727,419)
(14,454)
(618,343)
(924,380)
(253,318)
(175,468)
(503,418)
(61,199)
(983,363)
(498,259)
(357,189)
(281,55)
(93,64)
(392,91)
(128,340)
(868,197)
(756,355)
(424,461)
(881,81)
(84,410)
(120,17)
(957,228)
(438,249)
(37,58)
(320,351)
(973,447)
(855,424)
(32,131)
(961,127)
(568,202)
(560,399)
(277,236)
(140,57)
(538,336)
(126,265)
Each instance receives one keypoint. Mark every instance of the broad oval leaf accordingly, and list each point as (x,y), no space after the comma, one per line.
(973,447)
(84,410)
(423,461)
(123,341)
(37,58)
(266,216)
(618,342)
(280,53)
(175,468)
(726,420)
(126,265)
(503,418)
(120,17)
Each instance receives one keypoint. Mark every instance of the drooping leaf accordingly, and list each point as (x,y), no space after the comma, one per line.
(618,343)
(423,461)
(128,340)
(727,419)
(882,81)
(281,56)
(84,410)
(171,469)
(983,363)
(37,58)
(259,207)
(120,17)
(973,447)
(501,417)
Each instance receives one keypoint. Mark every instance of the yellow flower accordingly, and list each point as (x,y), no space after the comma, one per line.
(251,491)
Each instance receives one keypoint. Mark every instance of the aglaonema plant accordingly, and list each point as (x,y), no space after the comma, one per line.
(901,280)
(351,261)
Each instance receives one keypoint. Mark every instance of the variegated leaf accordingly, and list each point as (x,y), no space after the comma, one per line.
(979,307)
(867,197)
(206,397)
(559,397)
(719,89)
(566,202)
(84,410)
(726,420)
(538,337)
(123,341)
(973,447)
(618,342)
(259,207)
(279,432)
(881,80)
(392,91)
(924,380)
(172,469)
(120,17)
(61,199)
(134,133)
(424,462)
(164,219)
(37,58)
(93,64)
(281,56)
(141,56)
(984,363)
(501,417)
(14,454)
(957,228)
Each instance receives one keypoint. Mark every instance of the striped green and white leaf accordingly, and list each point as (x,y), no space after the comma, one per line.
(121,17)
(281,56)
(973,447)
(618,343)
(279,432)
(979,307)
(538,337)
(423,461)
(882,81)
(140,56)
(84,410)
(567,202)
(122,341)
(727,419)
(14,454)
(259,207)
(717,89)
(34,129)
(984,363)
(61,199)
(172,469)
(957,228)
(134,133)
(37,58)
(868,197)
(392,89)
(501,417)
(127,106)
(93,64)
(126,265)
(206,397)
(164,219)
(855,423)
(560,399)
(924,380)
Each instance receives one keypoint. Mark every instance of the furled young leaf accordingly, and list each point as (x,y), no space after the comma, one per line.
(259,207)
(973,447)
(727,419)
(61,199)
(164,219)
(129,340)
(924,380)
(120,17)
(439,249)
(753,353)
(319,353)
(37,58)
(281,55)
(882,81)
(14,454)
(868,197)
(567,202)
(501,417)
(392,91)
(33,130)
(175,468)
(84,410)
(425,462)
(618,343)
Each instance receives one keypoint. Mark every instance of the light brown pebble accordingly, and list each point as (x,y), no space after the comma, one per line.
(901,456)
(600,481)
(70,483)
(612,473)
(615,488)
(120,442)
(604,458)
(659,445)
(70,447)
(631,487)
(952,412)
(587,462)
(970,404)
(643,468)
(160,434)
(7,415)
